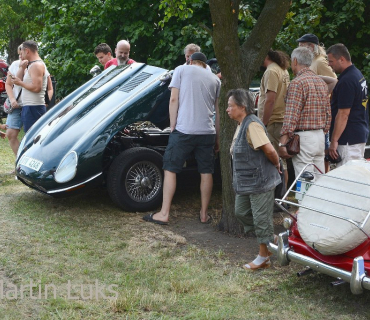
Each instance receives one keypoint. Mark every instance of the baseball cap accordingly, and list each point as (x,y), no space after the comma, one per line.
(198,56)
(309,37)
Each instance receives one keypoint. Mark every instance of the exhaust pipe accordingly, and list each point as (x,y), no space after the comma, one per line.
(337,283)
(304,272)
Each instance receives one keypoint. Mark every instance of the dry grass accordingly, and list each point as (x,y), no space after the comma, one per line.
(157,274)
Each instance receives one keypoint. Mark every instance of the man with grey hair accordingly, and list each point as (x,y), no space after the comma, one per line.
(122,55)
(307,113)
(189,50)
(321,67)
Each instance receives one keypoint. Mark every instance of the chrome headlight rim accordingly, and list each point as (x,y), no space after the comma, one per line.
(73,174)
(287,223)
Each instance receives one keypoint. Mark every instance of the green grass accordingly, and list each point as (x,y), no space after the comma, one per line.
(157,274)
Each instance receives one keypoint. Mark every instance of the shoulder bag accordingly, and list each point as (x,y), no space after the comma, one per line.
(7,104)
(293,145)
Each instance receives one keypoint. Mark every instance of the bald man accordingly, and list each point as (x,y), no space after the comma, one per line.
(122,55)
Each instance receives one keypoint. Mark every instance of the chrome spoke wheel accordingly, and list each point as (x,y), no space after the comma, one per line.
(143,181)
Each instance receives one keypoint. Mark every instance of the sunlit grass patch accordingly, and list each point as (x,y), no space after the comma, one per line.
(120,267)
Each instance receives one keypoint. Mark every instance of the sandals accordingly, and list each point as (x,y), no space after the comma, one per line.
(209,220)
(253,267)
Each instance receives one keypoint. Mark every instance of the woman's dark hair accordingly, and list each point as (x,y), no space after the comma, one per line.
(280,58)
(242,98)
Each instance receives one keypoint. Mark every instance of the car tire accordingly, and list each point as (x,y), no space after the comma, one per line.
(135,179)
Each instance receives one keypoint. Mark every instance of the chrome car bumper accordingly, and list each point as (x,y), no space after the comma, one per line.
(357,278)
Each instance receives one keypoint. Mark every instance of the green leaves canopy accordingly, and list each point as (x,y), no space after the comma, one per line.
(159,30)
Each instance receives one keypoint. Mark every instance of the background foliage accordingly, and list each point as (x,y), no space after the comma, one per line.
(68,31)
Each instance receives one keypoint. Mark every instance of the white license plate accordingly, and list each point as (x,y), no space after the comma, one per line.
(31,163)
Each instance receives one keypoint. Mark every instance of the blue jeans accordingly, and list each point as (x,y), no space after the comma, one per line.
(14,119)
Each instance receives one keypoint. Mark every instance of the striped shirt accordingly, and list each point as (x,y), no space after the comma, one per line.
(307,104)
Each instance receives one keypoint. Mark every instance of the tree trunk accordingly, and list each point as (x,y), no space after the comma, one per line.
(14,42)
(239,64)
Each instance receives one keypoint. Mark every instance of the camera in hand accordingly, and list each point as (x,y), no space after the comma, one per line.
(332,160)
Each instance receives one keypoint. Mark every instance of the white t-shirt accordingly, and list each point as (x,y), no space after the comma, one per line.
(13,70)
(198,91)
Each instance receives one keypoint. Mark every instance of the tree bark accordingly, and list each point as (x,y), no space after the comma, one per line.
(239,64)
(14,42)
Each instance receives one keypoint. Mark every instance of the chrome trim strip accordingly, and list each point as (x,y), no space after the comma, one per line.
(357,278)
(65,189)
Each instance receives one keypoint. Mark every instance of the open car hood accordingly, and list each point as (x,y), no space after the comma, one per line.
(86,120)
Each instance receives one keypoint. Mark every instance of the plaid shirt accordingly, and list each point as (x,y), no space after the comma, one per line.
(307,104)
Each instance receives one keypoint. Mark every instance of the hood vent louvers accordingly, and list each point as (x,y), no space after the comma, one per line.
(136,81)
(109,76)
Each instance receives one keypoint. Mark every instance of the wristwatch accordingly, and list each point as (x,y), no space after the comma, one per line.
(282,145)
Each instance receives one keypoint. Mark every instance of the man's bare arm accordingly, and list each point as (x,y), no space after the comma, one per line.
(36,74)
(331,82)
(269,106)
(174,107)
(339,126)
(50,88)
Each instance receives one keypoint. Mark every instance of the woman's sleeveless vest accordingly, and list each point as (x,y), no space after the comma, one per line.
(253,172)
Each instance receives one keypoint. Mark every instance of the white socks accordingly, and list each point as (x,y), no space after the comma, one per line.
(259,260)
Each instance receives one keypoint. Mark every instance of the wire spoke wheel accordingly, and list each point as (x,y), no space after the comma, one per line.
(143,181)
(135,179)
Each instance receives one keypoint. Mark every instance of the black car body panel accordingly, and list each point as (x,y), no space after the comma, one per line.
(87,120)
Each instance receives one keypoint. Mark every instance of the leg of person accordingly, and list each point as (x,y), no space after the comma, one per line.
(243,212)
(14,124)
(262,210)
(206,185)
(12,135)
(319,154)
(308,151)
(177,151)
(350,152)
(169,188)
(204,155)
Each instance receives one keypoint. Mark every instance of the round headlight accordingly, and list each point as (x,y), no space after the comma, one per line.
(287,223)
(67,168)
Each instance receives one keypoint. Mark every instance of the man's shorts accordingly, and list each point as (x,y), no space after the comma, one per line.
(14,119)
(30,114)
(350,152)
(181,145)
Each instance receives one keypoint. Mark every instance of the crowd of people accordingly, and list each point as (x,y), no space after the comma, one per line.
(329,114)
(27,84)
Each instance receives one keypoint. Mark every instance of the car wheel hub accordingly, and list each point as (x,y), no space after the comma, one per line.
(143,181)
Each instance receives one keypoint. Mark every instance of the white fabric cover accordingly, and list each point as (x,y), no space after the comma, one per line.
(329,235)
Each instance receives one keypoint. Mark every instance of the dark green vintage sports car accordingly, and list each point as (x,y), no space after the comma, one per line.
(112,130)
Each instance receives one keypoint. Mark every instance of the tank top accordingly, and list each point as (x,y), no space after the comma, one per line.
(30,98)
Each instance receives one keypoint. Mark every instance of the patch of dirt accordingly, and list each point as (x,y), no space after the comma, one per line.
(237,249)
(184,220)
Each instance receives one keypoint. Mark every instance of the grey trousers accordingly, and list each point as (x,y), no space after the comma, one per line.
(255,212)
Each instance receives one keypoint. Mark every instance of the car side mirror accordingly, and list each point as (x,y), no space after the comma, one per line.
(95,70)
